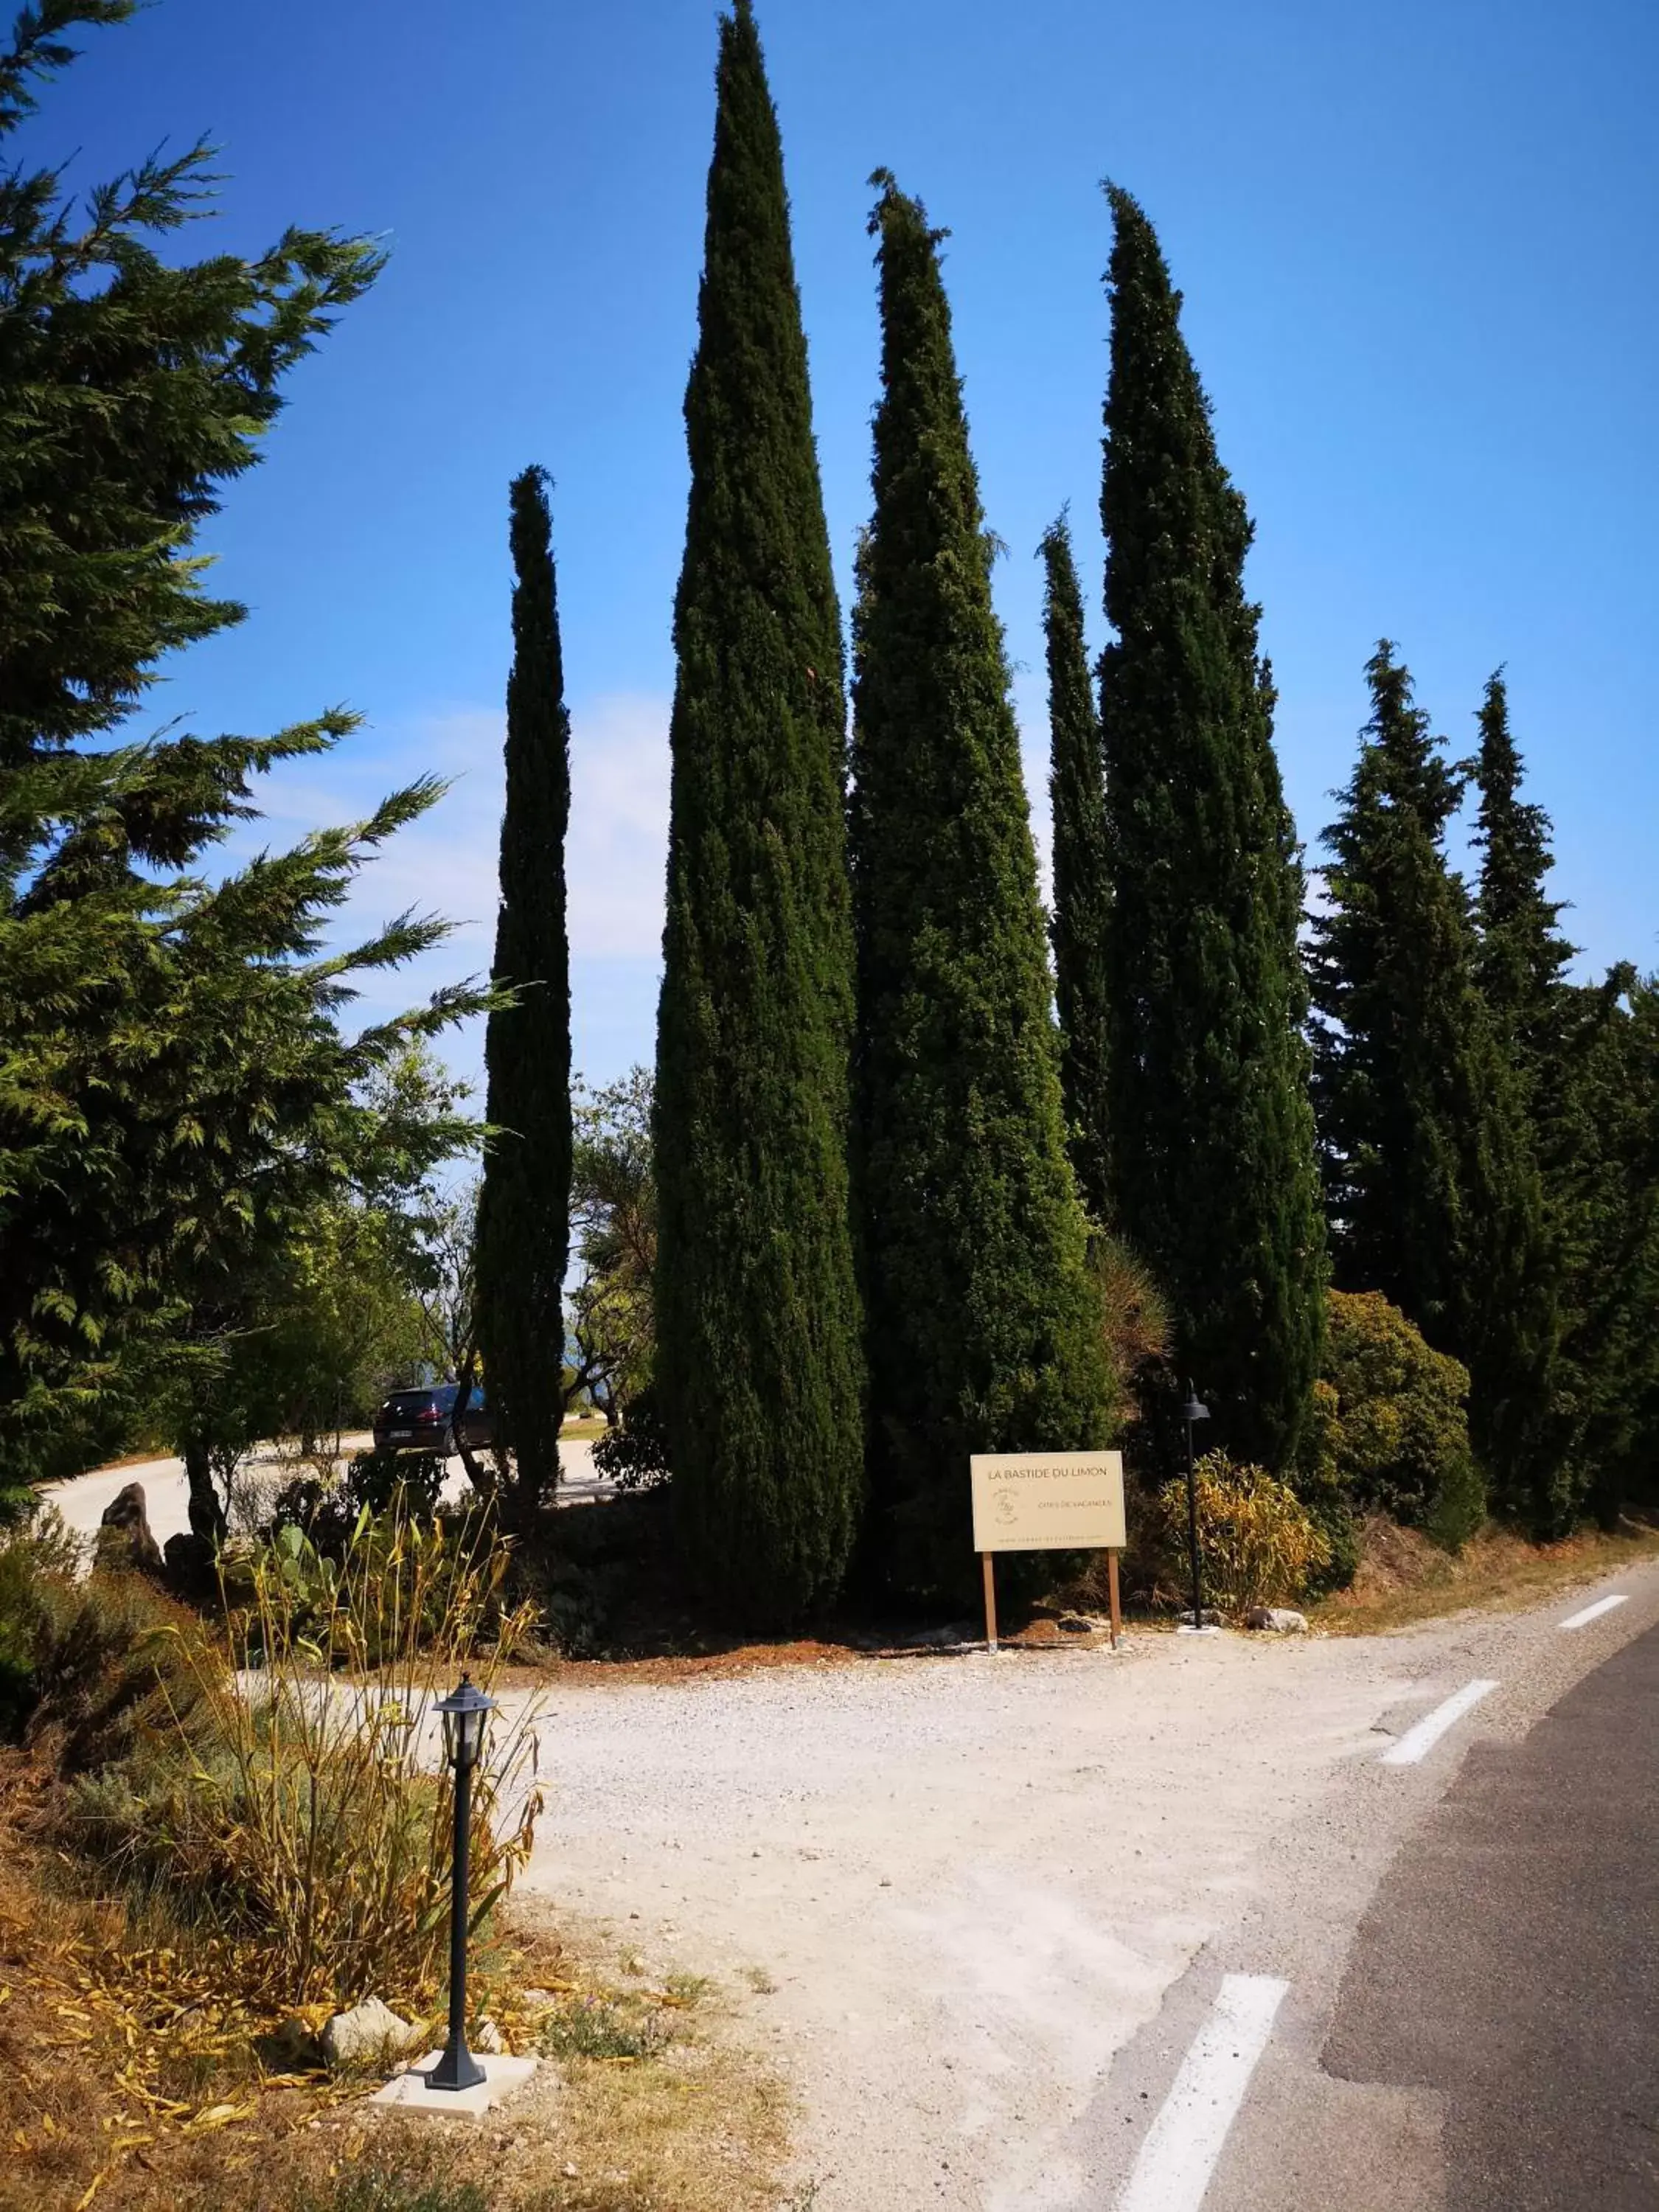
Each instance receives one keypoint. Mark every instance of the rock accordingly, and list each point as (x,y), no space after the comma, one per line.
(127,1516)
(368,2034)
(1083,1624)
(190,1565)
(1279,1617)
(487,2037)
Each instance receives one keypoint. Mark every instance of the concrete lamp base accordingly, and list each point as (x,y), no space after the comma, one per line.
(411,2091)
(1187,1628)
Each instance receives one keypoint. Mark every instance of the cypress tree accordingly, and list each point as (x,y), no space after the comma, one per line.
(1522,953)
(1431,1182)
(1214,1173)
(1077,787)
(523,1205)
(759,1365)
(983,1332)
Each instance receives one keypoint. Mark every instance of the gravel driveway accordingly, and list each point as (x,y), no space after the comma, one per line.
(972,1880)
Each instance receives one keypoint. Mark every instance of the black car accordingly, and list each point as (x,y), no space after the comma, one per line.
(424,1421)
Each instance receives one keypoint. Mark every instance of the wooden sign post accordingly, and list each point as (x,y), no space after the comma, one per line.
(1046,1502)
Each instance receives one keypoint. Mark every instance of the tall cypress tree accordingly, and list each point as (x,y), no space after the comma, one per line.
(1082,898)
(524,1207)
(1214,1175)
(759,1362)
(1432,1182)
(983,1331)
(1522,953)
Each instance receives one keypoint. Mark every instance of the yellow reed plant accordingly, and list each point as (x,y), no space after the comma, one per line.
(311,1817)
(1257,1541)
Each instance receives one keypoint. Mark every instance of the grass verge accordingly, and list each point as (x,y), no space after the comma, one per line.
(1403,1579)
(129,2079)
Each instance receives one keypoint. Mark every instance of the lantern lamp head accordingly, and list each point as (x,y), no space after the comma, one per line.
(1194,1409)
(464,1713)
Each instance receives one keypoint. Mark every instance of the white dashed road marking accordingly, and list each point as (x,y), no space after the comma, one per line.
(1595,1612)
(1179,2156)
(1429,1730)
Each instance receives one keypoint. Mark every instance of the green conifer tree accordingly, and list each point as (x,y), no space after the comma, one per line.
(1433,1185)
(983,1332)
(1083,897)
(524,1205)
(1214,1173)
(1522,955)
(178,1096)
(759,1361)
(1576,1051)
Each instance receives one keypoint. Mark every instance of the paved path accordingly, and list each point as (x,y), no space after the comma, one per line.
(1510,1962)
(1459,1957)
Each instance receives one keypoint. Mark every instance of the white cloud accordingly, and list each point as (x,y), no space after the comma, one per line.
(445,863)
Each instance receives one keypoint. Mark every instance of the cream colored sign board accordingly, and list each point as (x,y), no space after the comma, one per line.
(1048,1501)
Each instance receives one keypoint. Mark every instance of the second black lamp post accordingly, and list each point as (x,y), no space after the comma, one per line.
(464,1713)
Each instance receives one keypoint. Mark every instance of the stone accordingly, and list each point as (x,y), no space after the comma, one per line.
(412,2092)
(1278,1619)
(487,2037)
(367,2035)
(127,1516)
(189,1566)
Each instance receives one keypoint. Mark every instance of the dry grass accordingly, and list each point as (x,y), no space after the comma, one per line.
(582,1428)
(129,2079)
(1403,1579)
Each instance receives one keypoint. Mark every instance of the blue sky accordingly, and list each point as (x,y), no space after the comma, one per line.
(1418,249)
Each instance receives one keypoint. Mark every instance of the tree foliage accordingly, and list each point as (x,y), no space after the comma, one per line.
(759,1364)
(523,1205)
(984,1332)
(1431,1178)
(1521,956)
(1393,1421)
(176,1089)
(1212,1140)
(1083,893)
(613,1322)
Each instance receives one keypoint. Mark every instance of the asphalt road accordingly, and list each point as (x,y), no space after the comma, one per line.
(1509,1963)
(1458,1957)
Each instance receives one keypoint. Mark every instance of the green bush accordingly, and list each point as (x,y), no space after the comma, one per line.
(1392,1432)
(1257,1542)
(91,1665)
(635,1454)
(406,1484)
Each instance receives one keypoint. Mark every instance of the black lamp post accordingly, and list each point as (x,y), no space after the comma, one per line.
(1193,1410)
(464,1713)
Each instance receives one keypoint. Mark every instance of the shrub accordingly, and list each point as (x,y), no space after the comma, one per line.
(91,1665)
(1135,1318)
(308,1823)
(1392,1431)
(409,1483)
(1257,1542)
(635,1454)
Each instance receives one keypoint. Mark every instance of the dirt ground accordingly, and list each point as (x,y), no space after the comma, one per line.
(954,1886)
